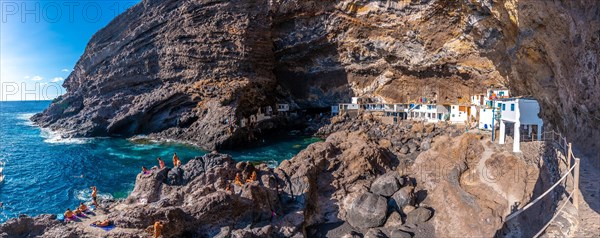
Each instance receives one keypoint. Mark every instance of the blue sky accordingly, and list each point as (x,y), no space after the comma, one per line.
(41,40)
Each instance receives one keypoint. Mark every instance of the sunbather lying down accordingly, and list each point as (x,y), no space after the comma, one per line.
(102,223)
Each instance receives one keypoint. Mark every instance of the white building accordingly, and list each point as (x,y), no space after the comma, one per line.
(283,107)
(459,114)
(478,100)
(428,112)
(482,107)
(335,110)
(486,115)
(522,114)
(357,100)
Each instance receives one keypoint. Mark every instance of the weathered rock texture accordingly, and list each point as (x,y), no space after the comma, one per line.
(460,186)
(190,70)
(185,70)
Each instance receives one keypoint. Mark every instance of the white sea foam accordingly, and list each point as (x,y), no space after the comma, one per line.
(25,119)
(124,156)
(86,195)
(55,137)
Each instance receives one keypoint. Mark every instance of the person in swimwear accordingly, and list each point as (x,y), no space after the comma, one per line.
(252,177)
(158,227)
(238,180)
(176,161)
(69,214)
(82,207)
(145,170)
(78,211)
(104,223)
(161,163)
(94,195)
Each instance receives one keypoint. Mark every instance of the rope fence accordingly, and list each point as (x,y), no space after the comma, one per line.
(564,148)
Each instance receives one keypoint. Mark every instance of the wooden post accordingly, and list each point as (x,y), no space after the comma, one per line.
(569,157)
(576,184)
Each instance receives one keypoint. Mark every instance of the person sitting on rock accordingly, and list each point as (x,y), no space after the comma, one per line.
(252,177)
(78,212)
(158,227)
(238,180)
(104,223)
(176,161)
(82,207)
(145,170)
(161,163)
(69,214)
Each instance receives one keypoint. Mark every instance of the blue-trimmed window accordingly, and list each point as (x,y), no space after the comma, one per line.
(499,105)
(503,107)
(512,107)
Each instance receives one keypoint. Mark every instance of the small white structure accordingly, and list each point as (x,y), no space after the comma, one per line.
(348,106)
(478,100)
(459,114)
(357,100)
(428,112)
(523,113)
(486,115)
(499,93)
(335,110)
(283,107)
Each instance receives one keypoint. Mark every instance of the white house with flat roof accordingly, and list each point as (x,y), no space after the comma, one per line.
(486,115)
(522,114)
(459,113)
(428,112)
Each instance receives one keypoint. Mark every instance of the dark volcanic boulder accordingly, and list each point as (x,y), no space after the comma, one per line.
(175,176)
(403,197)
(375,233)
(147,186)
(419,215)
(26,226)
(368,210)
(199,165)
(387,184)
(400,234)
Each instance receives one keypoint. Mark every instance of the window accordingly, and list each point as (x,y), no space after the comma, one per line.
(503,107)
(483,110)
(512,107)
(453,115)
(499,104)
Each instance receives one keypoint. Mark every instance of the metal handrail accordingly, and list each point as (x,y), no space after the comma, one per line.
(566,148)
(511,216)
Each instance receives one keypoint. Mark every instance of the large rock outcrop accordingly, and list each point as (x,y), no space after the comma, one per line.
(460,186)
(182,70)
(192,70)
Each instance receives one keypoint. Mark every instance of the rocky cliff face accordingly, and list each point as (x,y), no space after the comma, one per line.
(191,70)
(179,69)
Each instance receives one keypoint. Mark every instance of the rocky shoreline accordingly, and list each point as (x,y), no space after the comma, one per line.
(366,179)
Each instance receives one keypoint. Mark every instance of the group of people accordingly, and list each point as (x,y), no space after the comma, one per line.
(79,211)
(238,179)
(82,208)
(161,164)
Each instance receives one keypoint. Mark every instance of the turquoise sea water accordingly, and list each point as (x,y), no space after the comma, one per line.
(47,174)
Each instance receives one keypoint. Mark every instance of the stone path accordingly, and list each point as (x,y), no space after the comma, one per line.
(488,179)
(589,201)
